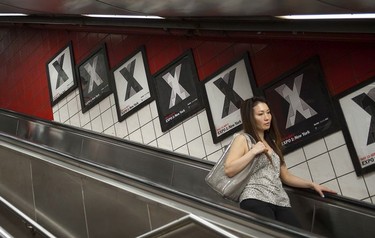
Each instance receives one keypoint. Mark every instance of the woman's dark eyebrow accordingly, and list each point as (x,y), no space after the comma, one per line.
(268,110)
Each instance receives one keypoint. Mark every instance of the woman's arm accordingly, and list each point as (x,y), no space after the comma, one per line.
(239,155)
(294,181)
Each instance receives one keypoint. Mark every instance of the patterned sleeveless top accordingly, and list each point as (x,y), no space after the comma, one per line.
(265,183)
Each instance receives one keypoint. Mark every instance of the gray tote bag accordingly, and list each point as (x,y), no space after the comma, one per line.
(230,188)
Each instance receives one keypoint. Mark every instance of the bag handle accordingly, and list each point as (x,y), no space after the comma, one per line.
(250,140)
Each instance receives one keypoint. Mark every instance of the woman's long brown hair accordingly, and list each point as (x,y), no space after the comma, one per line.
(272,136)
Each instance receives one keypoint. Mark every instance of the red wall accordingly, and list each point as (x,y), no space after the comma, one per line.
(24,53)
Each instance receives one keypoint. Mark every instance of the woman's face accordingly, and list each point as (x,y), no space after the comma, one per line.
(262,116)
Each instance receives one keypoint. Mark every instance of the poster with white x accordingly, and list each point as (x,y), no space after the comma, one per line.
(93,78)
(176,91)
(224,92)
(130,83)
(61,74)
(300,101)
(357,106)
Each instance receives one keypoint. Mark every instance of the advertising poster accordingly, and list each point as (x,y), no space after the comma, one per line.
(224,92)
(176,91)
(131,79)
(61,74)
(302,106)
(357,108)
(93,78)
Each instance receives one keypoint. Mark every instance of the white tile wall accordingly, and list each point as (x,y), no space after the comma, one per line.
(196,148)
(334,140)
(209,145)
(321,168)
(144,115)
(148,133)
(183,150)
(110,131)
(215,156)
(314,149)
(192,129)
(64,113)
(87,126)
(370,183)
(133,122)
(105,104)
(107,119)
(341,160)
(94,112)
(203,122)
(157,127)
(302,171)
(97,124)
(73,106)
(325,161)
(56,115)
(84,118)
(136,136)
(165,142)
(74,120)
(353,186)
(121,129)
(178,137)
(294,158)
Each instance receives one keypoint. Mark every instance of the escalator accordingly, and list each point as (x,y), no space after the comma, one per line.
(77,183)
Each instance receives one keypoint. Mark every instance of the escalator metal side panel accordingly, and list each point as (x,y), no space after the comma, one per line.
(333,219)
(15,226)
(8,124)
(304,210)
(4,233)
(16,180)
(147,166)
(12,224)
(71,204)
(18,224)
(71,201)
(152,166)
(189,226)
(58,200)
(49,136)
(113,211)
(191,179)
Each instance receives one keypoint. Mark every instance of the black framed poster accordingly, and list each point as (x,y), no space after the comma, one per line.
(356,108)
(130,83)
(61,74)
(93,78)
(177,91)
(223,93)
(301,104)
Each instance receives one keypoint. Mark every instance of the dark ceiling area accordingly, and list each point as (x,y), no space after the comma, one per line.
(190,16)
(187,8)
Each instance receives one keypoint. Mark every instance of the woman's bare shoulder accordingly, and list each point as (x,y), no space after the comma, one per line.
(240,138)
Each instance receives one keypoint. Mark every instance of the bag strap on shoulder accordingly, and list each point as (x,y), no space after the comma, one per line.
(250,140)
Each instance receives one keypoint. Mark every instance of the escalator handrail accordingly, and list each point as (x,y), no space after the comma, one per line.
(185,221)
(26,218)
(106,138)
(332,198)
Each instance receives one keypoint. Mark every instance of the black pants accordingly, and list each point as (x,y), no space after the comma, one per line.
(282,214)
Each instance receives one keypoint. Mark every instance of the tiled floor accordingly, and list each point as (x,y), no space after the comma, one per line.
(325,161)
